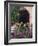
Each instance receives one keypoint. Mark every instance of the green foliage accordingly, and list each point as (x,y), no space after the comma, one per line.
(14,14)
